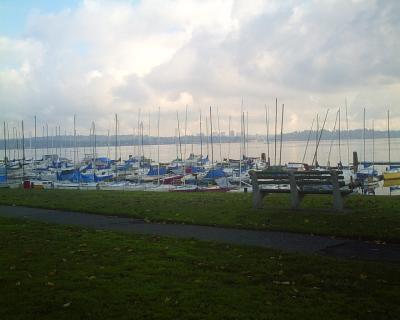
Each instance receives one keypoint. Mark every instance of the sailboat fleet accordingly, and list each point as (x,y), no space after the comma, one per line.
(185,173)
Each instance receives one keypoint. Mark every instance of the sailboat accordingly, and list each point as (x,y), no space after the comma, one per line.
(393,172)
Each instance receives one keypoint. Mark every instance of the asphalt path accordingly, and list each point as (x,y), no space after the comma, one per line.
(285,241)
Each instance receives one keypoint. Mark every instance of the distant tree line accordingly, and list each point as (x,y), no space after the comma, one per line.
(67,141)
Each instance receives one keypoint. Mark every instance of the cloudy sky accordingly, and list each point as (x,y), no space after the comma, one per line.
(95,58)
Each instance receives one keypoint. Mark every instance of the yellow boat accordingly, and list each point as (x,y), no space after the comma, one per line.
(391,175)
(391,183)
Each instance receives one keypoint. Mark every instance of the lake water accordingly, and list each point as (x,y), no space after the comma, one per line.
(292,151)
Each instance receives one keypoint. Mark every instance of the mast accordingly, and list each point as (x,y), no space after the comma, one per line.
(17,138)
(241,141)
(219,133)
(211,140)
(373,144)
(184,153)
(13,142)
(75,140)
(142,139)
(348,137)
(148,138)
(364,140)
(280,146)
(23,150)
(340,152)
(247,133)
(240,147)
(229,137)
(8,138)
(319,138)
(176,143)
(95,141)
(330,146)
(207,137)
(308,140)
(116,145)
(276,124)
(47,138)
(138,133)
(5,149)
(316,141)
(179,136)
(65,142)
(158,146)
(267,127)
(201,141)
(388,134)
(35,141)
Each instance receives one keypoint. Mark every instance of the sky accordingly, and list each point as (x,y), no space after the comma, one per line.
(95,58)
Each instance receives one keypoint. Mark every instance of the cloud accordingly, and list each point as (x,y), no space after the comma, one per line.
(106,57)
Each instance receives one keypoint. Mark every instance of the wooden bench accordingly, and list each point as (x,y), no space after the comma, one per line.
(298,184)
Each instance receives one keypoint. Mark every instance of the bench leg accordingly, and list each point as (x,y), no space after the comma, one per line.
(337,195)
(337,202)
(258,199)
(296,198)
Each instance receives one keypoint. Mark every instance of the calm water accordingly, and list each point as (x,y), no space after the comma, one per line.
(292,151)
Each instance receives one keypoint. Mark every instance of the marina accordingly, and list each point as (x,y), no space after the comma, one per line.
(55,167)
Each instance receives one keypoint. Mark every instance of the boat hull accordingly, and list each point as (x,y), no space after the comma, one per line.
(391,175)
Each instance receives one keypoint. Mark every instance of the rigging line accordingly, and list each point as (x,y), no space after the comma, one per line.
(308,140)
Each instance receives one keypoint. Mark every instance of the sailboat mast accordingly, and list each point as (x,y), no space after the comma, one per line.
(35,141)
(348,137)
(333,137)
(319,139)
(229,136)
(201,140)
(316,141)
(247,133)
(364,140)
(74,140)
(158,146)
(280,146)
(47,138)
(276,124)
(211,139)
(23,149)
(185,138)
(388,134)
(179,136)
(207,137)
(240,147)
(340,151)
(116,145)
(373,144)
(5,148)
(267,127)
(308,140)
(219,134)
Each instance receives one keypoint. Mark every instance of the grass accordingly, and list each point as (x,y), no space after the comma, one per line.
(54,272)
(367,217)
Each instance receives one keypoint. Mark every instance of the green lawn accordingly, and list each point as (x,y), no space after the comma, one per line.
(54,272)
(370,217)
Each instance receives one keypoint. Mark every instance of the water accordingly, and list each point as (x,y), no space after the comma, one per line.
(292,151)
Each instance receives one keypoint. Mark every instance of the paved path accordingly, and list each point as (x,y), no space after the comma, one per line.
(286,241)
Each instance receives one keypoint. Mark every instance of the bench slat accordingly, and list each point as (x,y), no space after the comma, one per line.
(277,182)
